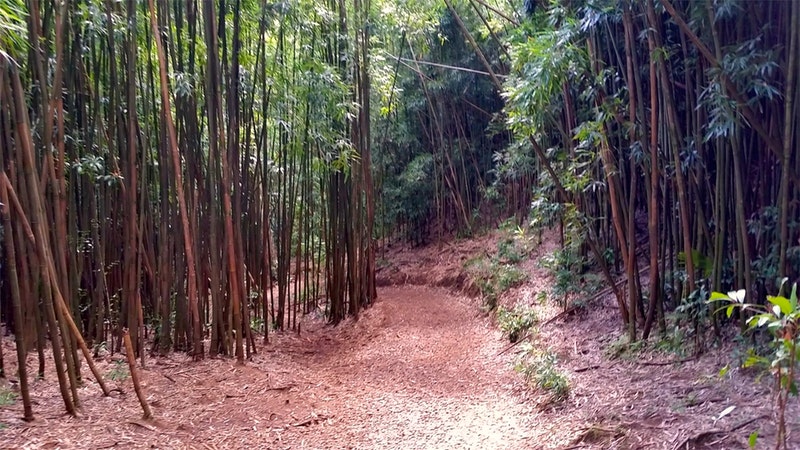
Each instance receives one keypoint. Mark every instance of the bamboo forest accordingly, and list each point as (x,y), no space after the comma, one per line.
(393,224)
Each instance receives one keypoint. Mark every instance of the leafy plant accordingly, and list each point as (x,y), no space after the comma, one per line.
(673,341)
(516,322)
(541,369)
(257,324)
(624,349)
(507,250)
(694,310)
(119,372)
(493,278)
(780,318)
(509,276)
(565,265)
(7,396)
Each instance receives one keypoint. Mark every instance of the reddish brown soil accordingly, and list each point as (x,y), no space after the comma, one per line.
(417,370)
(423,368)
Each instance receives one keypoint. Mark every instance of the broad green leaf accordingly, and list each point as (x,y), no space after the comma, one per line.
(729,310)
(718,296)
(751,441)
(783,304)
(752,361)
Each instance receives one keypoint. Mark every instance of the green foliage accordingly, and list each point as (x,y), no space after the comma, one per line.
(701,262)
(543,61)
(257,324)
(7,396)
(672,343)
(541,369)
(409,196)
(496,274)
(436,118)
(694,310)
(544,213)
(509,276)
(781,318)
(566,266)
(13,29)
(515,244)
(541,297)
(493,278)
(515,323)
(508,251)
(751,440)
(119,372)
(624,349)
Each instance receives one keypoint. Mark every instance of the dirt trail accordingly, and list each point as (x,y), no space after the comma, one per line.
(418,370)
(427,376)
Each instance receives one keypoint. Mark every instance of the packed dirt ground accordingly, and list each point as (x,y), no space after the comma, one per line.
(424,368)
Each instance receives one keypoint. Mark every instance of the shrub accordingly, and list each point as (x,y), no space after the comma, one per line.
(541,369)
(515,323)
(7,396)
(493,278)
(119,372)
(781,318)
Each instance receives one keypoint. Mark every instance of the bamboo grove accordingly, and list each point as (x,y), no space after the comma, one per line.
(670,130)
(200,172)
(189,171)
(659,136)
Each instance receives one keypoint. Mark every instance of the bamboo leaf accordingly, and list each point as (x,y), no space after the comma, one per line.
(718,296)
(751,441)
(782,303)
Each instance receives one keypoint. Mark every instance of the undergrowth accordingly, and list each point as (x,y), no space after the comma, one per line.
(515,323)
(672,343)
(119,372)
(494,274)
(540,368)
(567,268)
(7,396)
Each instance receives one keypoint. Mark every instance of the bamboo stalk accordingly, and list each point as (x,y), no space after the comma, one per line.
(14,200)
(137,386)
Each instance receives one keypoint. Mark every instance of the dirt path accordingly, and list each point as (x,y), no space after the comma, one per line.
(418,370)
(425,376)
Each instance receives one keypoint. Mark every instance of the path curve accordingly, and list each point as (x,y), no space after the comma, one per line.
(419,371)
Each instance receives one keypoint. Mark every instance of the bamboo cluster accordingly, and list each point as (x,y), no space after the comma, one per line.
(197,173)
